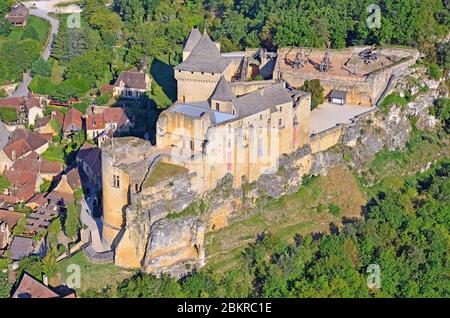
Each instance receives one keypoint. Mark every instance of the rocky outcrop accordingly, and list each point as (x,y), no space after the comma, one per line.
(175,246)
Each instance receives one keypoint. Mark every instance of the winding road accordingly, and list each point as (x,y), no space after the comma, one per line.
(42,9)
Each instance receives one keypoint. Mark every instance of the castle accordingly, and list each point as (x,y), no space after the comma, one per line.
(222,124)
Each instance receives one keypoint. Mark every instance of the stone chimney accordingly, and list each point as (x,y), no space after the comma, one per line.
(13,155)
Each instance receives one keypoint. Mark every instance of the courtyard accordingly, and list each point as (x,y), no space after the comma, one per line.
(328,115)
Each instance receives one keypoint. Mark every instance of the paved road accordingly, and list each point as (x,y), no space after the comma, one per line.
(42,9)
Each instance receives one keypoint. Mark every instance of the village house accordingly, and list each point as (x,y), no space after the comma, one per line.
(22,247)
(51,124)
(21,144)
(67,186)
(89,159)
(132,84)
(8,220)
(73,122)
(26,176)
(30,287)
(18,15)
(28,108)
(106,121)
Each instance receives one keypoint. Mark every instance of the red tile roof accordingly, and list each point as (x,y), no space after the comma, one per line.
(18,14)
(38,199)
(26,191)
(73,118)
(42,121)
(50,167)
(29,287)
(95,122)
(115,115)
(17,149)
(58,116)
(27,102)
(10,218)
(74,179)
(107,88)
(23,142)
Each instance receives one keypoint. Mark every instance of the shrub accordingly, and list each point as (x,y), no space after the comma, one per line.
(8,114)
(30,33)
(316,90)
(4,183)
(434,71)
(334,209)
(103,99)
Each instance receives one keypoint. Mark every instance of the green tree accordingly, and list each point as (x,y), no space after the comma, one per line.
(30,33)
(72,221)
(316,90)
(5,26)
(41,68)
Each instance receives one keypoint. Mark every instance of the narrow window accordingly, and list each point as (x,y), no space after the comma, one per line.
(217,106)
(192,145)
(116,181)
(280,122)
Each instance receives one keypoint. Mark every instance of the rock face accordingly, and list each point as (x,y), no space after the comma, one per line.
(175,247)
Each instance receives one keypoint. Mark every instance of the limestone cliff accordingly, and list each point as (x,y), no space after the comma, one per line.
(175,246)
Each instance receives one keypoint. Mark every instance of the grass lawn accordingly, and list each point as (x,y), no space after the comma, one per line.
(93,276)
(303,212)
(54,152)
(162,74)
(163,171)
(4,183)
(57,72)
(42,27)
(66,4)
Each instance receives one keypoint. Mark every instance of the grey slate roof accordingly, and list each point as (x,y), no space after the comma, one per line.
(132,79)
(21,247)
(266,98)
(198,109)
(223,92)
(4,135)
(205,57)
(192,40)
(338,94)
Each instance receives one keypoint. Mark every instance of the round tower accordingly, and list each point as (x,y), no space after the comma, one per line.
(115,187)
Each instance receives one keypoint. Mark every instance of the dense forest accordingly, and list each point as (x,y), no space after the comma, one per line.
(115,38)
(405,232)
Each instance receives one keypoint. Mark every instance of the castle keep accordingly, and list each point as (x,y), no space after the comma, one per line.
(222,125)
